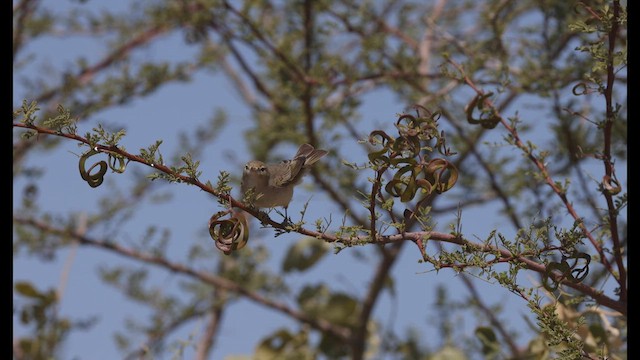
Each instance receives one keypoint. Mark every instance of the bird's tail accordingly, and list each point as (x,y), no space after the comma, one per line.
(310,154)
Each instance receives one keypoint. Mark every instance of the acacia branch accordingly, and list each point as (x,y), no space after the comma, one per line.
(88,73)
(415,237)
(24,9)
(261,37)
(542,167)
(208,278)
(495,322)
(359,339)
(606,158)
(213,324)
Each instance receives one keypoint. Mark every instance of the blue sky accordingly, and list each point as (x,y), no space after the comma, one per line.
(163,115)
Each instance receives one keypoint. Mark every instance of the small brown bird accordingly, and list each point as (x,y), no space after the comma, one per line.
(273,184)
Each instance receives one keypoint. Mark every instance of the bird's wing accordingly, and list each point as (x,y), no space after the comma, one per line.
(288,172)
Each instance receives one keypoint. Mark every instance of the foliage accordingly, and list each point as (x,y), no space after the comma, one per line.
(468,73)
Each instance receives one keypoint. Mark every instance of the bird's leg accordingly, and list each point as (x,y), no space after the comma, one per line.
(286,220)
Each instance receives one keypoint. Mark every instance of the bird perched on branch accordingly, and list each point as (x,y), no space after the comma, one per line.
(271,185)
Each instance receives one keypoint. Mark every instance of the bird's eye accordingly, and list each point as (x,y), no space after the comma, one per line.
(263,169)
(246,167)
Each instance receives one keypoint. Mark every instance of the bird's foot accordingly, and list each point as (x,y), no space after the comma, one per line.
(286,222)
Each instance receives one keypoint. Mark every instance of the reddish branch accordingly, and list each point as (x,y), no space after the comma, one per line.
(493,319)
(545,174)
(415,237)
(24,10)
(606,158)
(205,277)
(87,74)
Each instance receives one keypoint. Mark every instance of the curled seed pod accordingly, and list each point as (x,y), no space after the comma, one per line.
(441,174)
(229,234)
(116,163)
(568,272)
(96,179)
(380,158)
(122,165)
(380,137)
(409,146)
(489,121)
(611,185)
(403,186)
(408,126)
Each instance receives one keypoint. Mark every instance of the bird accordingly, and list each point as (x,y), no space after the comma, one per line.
(271,185)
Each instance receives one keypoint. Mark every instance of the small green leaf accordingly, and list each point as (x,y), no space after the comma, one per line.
(27,289)
(340,309)
(489,340)
(449,352)
(304,254)
(272,347)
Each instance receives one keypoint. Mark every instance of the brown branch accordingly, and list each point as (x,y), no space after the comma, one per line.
(359,337)
(244,65)
(24,9)
(87,74)
(208,278)
(375,188)
(259,34)
(606,153)
(542,168)
(244,90)
(207,339)
(416,237)
(383,26)
(596,294)
(495,322)
(425,46)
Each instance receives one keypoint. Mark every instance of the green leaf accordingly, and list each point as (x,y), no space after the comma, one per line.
(340,309)
(312,299)
(26,289)
(304,254)
(449,352)
(333,347)
(489,340)
(272,346)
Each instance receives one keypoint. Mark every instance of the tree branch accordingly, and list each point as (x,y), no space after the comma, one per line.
(207,278)
(543,171)
(415,237)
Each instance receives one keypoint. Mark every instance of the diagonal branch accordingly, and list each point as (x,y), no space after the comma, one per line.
(348,240)
(495,322)
(88,73)
(544,171)
(208,278)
